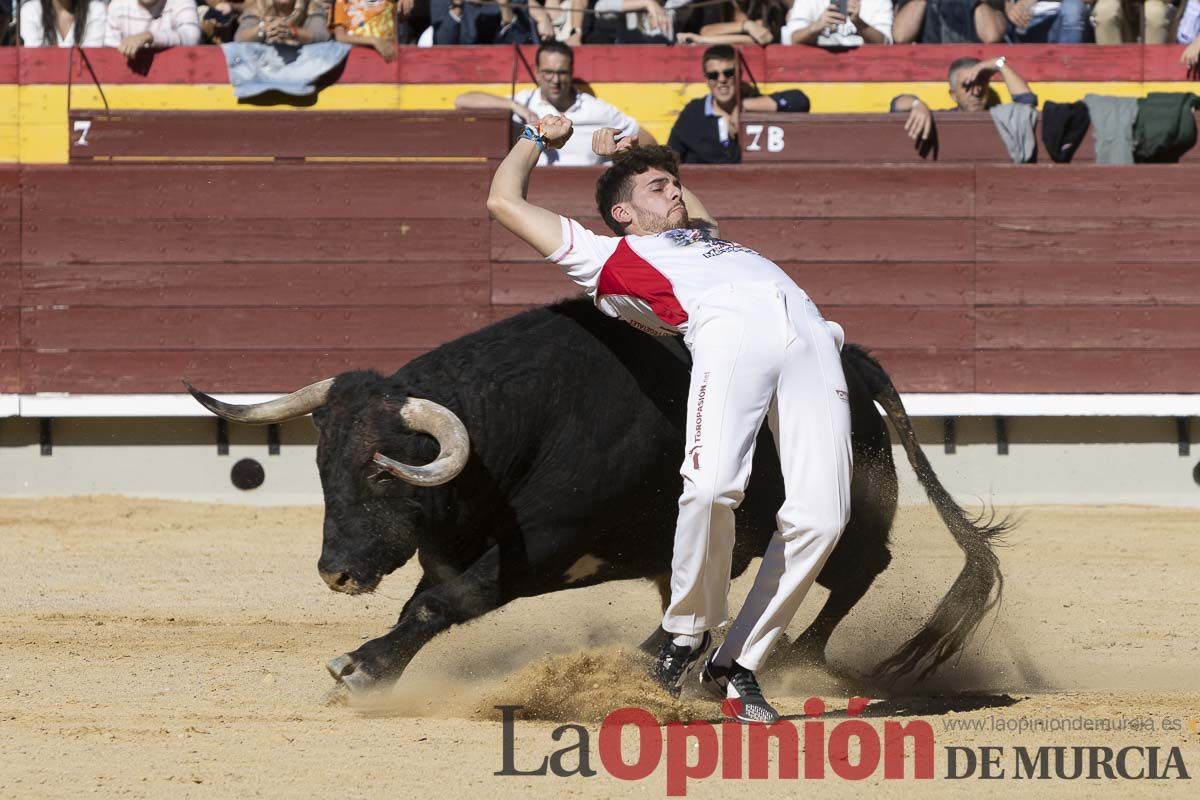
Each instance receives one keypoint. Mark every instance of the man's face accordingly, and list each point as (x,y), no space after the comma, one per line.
(722,77)
(656,204)
(969,98)
(554,77)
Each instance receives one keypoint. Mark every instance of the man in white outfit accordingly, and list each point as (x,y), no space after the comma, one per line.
(760,350)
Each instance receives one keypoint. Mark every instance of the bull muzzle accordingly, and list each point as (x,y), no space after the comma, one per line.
(344,582)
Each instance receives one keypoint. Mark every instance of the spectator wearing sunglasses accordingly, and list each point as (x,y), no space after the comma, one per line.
(706,131)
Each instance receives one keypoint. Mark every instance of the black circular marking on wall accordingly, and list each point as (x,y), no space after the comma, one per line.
(247,474)
(1196,473)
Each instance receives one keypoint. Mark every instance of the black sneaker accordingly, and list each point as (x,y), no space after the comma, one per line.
(674,662)
(739,688)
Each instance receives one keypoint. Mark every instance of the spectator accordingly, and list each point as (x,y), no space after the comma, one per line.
(1117,21)
(292,22)
(1188,32)
(971,91)
(706,131)
(467,22)
(218,20)
(137,25)
(8,27)
(371,23)
(759,22)
(631,22)
(1047,21)
(54,23)
(556,94)
(821,23)
(949,21)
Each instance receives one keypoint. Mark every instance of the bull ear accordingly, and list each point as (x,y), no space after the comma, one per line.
(426,416)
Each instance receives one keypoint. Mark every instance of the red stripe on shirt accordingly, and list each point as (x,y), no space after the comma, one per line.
(627,273)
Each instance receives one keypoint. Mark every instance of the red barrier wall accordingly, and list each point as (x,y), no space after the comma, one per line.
(248,277)
(624,63)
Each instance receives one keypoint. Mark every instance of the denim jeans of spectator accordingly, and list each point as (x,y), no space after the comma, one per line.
(479,24)
(1069,25)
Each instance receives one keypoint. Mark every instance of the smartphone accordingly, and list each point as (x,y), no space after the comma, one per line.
(841,6)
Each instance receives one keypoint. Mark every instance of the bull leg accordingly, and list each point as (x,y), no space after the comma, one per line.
(844,594)
(380,662)
(654,642)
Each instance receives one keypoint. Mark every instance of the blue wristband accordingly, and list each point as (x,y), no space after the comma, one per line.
(532,135)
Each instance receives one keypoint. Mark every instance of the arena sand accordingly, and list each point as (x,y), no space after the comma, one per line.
(155,649)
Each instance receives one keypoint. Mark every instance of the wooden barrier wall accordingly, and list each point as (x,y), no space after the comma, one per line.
(962,278)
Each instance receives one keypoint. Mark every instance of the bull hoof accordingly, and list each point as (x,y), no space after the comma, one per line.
(349,674)
(340,667)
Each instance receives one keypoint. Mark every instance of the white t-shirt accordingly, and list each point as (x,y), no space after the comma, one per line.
(171,22)
(876,13)
(655,282)
(587,115)
(33,35)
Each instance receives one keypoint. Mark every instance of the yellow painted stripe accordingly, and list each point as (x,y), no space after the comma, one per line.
(40,132)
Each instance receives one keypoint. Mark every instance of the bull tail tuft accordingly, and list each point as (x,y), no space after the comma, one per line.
(979,585)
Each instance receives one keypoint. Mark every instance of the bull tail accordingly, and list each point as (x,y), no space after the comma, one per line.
(978,586)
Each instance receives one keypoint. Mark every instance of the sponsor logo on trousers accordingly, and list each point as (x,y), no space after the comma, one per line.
(699,425)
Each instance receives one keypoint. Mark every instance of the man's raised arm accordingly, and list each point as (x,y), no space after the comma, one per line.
(506,201)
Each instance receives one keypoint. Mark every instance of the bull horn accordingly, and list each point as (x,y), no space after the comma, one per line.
(442,424)
(297,404)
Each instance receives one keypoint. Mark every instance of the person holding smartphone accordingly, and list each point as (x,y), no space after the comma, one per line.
(841,23)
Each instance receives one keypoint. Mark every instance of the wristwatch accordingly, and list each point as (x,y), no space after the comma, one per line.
(1000,62)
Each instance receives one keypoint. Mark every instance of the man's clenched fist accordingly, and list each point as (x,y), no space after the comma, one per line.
(555,129)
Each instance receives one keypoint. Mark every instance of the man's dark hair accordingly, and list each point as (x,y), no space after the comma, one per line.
(553,47)
(616,184)
(960,63)
(719,52)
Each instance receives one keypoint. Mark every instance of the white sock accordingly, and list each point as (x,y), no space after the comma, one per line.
(688,639)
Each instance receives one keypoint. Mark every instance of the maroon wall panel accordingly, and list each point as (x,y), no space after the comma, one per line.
(117,372)
(1088,283)
(1087,371)
(1136,190)
(1091,328)
(266,328)
(390,284)
(1141,239)
(284,134)
(257,191)
(930,371)
(211,240)
(960,278)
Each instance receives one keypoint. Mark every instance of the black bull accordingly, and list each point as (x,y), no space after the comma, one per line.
(576,425)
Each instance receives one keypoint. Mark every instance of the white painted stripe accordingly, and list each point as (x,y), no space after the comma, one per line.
(918,405)
(1052,405)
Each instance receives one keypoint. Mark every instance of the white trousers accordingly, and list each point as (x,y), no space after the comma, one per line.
(759,351)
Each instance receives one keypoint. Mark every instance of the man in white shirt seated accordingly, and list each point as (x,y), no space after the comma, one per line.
(847,24)
(556,94)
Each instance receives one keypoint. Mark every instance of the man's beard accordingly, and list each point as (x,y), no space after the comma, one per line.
(654,223)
